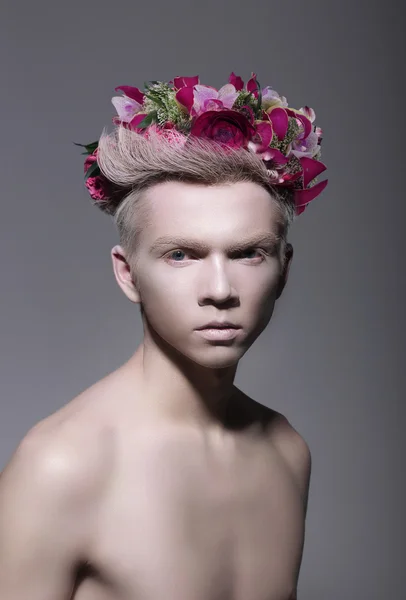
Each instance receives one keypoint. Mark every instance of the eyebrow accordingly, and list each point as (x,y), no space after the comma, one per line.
(268,239)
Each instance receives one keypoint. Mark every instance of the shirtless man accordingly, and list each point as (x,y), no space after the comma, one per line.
(163,480)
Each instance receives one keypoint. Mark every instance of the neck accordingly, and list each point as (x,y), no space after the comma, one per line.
(178,390)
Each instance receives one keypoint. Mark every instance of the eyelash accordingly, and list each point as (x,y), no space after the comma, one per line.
(259,250)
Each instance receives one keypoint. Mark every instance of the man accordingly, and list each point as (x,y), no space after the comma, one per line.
(164,480)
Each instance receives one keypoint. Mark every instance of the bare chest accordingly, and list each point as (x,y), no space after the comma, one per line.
(183,520)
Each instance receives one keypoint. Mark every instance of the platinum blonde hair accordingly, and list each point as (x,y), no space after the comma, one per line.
(133,164)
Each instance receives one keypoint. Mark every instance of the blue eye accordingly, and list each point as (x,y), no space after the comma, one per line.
(176,252)
(250,250)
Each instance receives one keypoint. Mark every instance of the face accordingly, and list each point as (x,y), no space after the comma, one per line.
(207,253)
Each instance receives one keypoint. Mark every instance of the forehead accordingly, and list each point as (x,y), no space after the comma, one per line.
(210,211)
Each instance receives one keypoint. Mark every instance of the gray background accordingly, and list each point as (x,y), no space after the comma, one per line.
(332,359)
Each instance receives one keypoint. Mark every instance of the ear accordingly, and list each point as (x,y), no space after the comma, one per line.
(285,269)
(123,275)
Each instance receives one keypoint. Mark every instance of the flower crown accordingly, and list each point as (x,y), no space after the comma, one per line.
(234,116)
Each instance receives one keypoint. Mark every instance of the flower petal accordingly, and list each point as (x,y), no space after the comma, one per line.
(180,82)
(308,112)
(280,121)
(185,97)
(278,159)
(131,92)
(262,137)
(271,98)
(252,85)
(135,120)
(228,95)
(236,81)
(126,107)
(202,93)
(303,197)
(307,125)
(311,169)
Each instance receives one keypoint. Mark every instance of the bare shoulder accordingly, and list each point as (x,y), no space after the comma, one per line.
(56,459)
(49,495)
(67,451)
(287,441)
(295,451)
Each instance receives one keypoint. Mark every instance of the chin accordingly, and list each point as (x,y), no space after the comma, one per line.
(217,356)
(212,355)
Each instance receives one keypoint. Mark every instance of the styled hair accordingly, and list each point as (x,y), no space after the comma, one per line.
(133,164)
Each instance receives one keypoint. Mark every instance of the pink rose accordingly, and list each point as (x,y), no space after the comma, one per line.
(227,127)
(98,186)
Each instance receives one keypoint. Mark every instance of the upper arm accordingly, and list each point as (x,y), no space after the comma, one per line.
(41,524)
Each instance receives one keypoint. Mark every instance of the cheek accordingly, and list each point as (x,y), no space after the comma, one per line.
(258,288)
(165,300)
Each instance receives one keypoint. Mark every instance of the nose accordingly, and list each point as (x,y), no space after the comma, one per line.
(215,284)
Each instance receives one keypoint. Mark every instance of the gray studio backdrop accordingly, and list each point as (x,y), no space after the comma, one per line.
(333,358)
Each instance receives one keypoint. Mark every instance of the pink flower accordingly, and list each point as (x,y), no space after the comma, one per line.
(236,81)
(126,107)
(131,92)
(271,99)
(227,127)
(207,98)
(308,112)
(262,137)
(98,186)
(180,82)
(184,91)
(307,147)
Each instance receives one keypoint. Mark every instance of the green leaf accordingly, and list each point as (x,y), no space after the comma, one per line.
(150,118)
(90,148)
(155,98)
(92,171)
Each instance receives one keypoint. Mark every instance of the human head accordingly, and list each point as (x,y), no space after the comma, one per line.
(219,201)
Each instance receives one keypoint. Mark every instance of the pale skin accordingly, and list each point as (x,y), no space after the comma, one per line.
(163,479)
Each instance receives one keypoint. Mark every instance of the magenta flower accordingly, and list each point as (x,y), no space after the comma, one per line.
(131,92)
(184,91)
(228,127)
(310,168)
(128,107)
(236,81)
(181,82)
(261,137)
(252,85)
(98,186)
